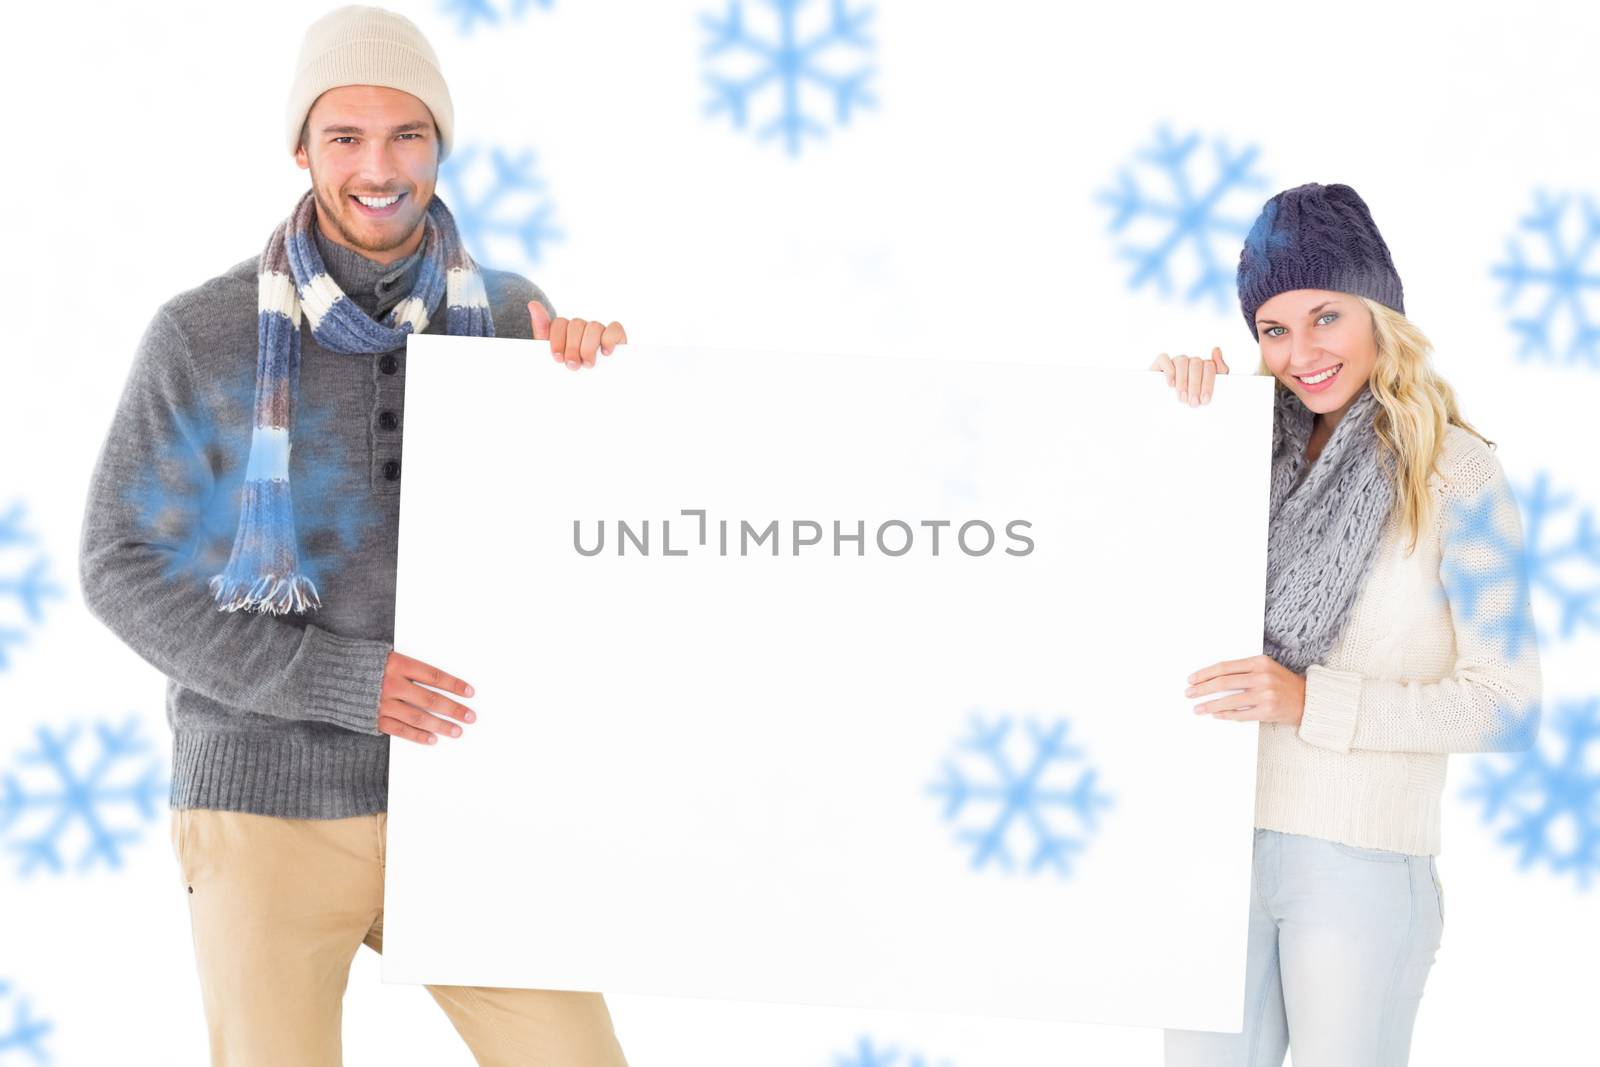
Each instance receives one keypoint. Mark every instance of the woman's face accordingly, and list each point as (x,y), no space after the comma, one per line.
(1308,332)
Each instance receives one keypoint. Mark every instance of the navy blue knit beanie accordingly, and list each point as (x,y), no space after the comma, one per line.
(1315,237)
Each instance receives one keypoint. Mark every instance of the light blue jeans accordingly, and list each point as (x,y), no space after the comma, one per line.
(1341,942)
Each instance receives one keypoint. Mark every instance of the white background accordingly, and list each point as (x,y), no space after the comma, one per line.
(960,215)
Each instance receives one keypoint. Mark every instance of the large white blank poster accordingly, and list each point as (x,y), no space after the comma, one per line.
(828,679)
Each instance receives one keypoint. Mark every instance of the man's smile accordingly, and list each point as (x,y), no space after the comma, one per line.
(391,205)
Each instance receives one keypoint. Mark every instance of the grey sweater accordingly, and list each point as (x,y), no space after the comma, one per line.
(270,714)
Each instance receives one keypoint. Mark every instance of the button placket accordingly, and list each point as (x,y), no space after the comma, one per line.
(386,441)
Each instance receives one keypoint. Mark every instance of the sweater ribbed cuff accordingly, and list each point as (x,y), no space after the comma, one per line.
(1332,701)
(346,680)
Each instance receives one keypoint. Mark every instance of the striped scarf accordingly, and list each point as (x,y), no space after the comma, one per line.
(263,573)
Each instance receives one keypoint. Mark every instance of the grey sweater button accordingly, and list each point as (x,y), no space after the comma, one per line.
(391,469)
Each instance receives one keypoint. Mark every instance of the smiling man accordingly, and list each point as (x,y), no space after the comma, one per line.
(354,134)
(259,575)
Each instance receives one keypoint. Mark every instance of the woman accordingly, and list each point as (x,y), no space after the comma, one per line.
(1385,639)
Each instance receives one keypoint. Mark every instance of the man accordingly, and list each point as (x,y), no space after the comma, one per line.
(264,589)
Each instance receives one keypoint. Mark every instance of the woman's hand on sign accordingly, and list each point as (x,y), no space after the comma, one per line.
(1191,375)
(1267,690)
(575,341)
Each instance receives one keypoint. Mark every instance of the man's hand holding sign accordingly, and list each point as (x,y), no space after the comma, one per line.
(574,341)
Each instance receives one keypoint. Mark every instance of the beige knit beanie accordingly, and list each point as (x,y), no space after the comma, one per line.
(361,45)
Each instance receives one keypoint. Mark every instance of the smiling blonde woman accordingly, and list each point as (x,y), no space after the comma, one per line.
(1392,639)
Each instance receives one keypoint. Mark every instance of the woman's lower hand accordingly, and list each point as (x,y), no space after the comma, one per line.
(1271,691)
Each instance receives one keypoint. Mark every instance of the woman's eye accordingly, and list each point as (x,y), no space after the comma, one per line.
(1325,315)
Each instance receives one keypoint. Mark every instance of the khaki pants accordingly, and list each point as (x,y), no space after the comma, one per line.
(279,908)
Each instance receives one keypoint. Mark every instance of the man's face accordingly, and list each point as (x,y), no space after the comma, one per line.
(371,141)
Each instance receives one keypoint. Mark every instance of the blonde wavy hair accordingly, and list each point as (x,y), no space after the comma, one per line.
(1416,408)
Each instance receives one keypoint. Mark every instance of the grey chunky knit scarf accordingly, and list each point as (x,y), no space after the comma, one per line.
(1326,519)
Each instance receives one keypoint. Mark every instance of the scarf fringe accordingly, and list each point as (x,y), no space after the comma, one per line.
(268,594)
(263,573)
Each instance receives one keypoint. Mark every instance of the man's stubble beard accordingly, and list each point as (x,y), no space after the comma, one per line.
(334,216)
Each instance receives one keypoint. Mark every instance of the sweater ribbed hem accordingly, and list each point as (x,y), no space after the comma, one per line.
(289,773)
(346,680)
(1366,815)
(1332,700)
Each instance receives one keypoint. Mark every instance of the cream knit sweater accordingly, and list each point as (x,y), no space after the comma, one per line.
(1415,673)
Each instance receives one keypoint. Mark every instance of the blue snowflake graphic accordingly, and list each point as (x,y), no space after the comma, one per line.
(1562,266)
(116,770)
(1563,568)
(25,586)
(1556,571)
(21,1033)
(1516,726)
(1190,214)
(1481,558)
(501,210)
(1014,796)
(1548,797)
(828,58)
(190,497)
(472,12)
(865,1055)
